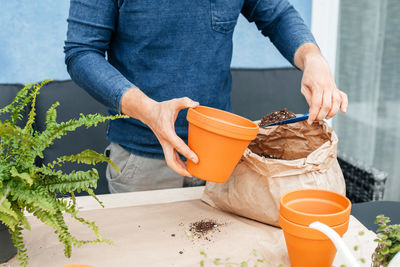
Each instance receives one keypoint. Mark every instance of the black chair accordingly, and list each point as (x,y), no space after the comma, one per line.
(363,183)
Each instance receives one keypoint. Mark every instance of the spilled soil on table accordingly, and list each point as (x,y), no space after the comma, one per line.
(203,229)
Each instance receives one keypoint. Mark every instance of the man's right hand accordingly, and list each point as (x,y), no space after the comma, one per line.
(161,117)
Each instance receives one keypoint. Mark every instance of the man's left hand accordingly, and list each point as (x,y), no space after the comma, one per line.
(318,85)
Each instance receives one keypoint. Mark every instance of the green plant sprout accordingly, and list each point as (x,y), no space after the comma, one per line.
(253,261)
(388,238)
(26,187)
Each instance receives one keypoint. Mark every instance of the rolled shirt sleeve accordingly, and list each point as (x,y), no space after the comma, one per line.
(90,27)
(279,20)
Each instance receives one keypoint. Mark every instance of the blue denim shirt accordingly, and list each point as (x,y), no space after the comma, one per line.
(168,49)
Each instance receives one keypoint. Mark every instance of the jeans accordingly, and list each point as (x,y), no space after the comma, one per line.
(141,173)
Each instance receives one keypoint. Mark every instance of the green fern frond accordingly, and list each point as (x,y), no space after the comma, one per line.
(35,197)
(16,236)
(15,144)
(92,225)
(87,156)
(56,221)
(26,177)
(19,102)
(25,187)
(63,234)
(32,112)
(51,114)
(10,214)
(11,134)
(56,181)
(57,130)
(92,194)
(7,215)
(10,221)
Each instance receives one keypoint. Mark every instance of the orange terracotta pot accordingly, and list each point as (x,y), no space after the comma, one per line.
(308,247)
(219,139)
(309,205)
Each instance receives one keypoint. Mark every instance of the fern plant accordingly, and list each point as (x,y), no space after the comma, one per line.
(26,187)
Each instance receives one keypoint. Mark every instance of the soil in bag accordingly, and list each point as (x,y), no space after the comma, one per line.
(289,141)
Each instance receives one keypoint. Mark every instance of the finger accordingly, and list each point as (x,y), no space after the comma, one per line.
(178,144)
(170,158)
(185,102)
(316,102)
(326,105)
(182,103)
(336,99)
(345,102)
(179,161)
(307,94)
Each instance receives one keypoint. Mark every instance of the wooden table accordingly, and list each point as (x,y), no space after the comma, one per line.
(151,229)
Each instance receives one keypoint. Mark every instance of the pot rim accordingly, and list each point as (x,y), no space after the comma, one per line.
(304,218)
(222,127)
(308,233)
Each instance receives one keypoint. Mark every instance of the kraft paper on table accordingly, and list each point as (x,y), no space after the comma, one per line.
(142,236)
(257,183)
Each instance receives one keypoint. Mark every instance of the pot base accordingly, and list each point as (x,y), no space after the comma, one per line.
(7,248)
(308,252)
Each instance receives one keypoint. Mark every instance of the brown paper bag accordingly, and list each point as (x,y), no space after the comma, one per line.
(307,160)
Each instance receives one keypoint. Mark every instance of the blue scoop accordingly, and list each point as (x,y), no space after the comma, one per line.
(292,120)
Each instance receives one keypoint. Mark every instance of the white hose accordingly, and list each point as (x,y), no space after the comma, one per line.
(337,241)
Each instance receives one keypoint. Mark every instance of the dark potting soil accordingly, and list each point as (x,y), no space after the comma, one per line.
(203,227)
(276,116)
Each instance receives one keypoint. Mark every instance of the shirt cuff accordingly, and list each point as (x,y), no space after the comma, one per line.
(121,89)
(296,44)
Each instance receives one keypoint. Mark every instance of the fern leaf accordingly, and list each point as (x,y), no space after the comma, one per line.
(8,220)
(63,235)
(26,177)
(18,240)
(20,97)
(8,216)
(5,194)
(13,133)
(56,221)
(15,143)
(51,114)
(34,197)
(87,156)
(57,130)
(74,181)
(21,100)
(32,112)
(92,225)
(92,194)
(27,187)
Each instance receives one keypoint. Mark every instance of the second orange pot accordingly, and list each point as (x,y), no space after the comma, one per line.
(308,247)
(219,139)
(305,206)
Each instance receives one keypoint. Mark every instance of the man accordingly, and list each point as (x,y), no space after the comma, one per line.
(166,56)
